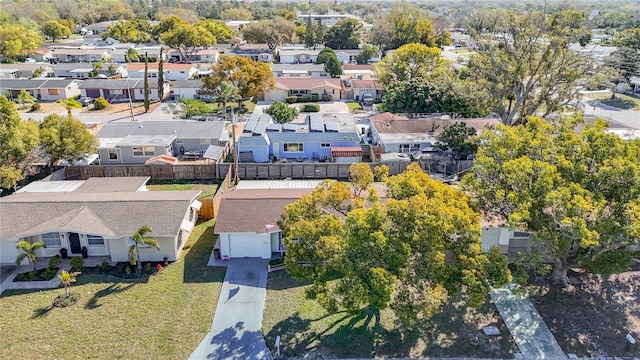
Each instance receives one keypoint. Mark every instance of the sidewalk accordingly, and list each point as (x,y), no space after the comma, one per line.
(236,330)
(531,334)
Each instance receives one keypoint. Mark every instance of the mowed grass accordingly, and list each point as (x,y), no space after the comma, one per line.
(621,101)
(208,190)
(166,317)
(354,107)
(304,326)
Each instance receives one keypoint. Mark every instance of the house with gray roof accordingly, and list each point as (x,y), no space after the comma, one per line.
(315,71)
(137,142)
(313,138)
(99,214)
(84,70)
(120,90)
(43,89)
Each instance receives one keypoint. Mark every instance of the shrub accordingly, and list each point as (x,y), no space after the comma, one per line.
(326,97)
(35,107)
(127,270)
(311,108)
(104,266)
(291,99)
(148,267)
(31,276)
(101,103)
(315,97)
(48,273)
(120,267)
(76,263)
(281,112)
(54,262)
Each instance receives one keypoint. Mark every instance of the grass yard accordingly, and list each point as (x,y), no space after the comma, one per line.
(354,107)
(166,317)
(208,190)
(247,107)
(304,327)
(621,101)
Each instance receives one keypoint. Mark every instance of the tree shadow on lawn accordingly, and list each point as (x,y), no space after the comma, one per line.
(109,290)
(195,261)
(592,316)
(451,333)
(41,312)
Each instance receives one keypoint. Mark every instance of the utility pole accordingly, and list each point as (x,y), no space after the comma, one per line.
(234,178)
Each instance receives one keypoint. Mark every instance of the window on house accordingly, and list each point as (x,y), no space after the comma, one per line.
(143,150)
(52,91)
(51,239)
(113,154)
(116,92)
(325,145)
(179,141)
(293,147)
(409,148)
(94,240)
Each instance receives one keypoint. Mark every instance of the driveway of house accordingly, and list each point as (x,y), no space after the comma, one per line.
(236,329)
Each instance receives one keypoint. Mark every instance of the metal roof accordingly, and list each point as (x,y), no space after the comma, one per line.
(52,186)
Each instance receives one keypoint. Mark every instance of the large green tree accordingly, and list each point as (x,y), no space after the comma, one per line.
(404,24)
(18,40)
(281,112)
(330,60)
(66,138)
(131,31)
(458,138)
(345,34)
(55,30)
(524,62)
(19,139)
(184,37)
(577,192)
(249,76)
(270,32)
(407,253)
(410,61)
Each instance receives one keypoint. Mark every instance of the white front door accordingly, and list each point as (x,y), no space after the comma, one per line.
(276,149)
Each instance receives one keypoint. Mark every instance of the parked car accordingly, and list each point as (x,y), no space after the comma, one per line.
(86,101)
(367,99)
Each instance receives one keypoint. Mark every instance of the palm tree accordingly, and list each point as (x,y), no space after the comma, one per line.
(25,97)
(140,238)
(28,251)
(66,278)
(70,103)
(132,54)
(226,92)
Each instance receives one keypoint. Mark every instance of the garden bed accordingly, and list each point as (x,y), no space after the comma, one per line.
(39,275)
(125,270)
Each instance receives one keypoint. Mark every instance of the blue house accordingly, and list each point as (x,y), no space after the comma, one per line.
(311,140)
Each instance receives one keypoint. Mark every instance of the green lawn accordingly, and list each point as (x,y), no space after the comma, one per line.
(164,318)
(247,107)
(304,326)
(354,106)
(621,101)
(208,190)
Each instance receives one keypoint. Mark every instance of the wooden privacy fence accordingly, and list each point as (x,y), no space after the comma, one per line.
(256,170)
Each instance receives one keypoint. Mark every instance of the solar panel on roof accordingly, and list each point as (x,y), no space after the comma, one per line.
(315,123)
(261,126)
(251,124)
(274,128)
(289,127)
(331,126)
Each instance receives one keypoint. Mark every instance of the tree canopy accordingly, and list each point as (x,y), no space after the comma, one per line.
(577,192)
(457,137)
(404,24)
(18,40)
(281,112)
(55,30)
(524,62)
(330,60)
(249,76)
(270,32)
(187,38)
(410,61)
(19,139)
(345,34)
(133,31)
(408,253)
(66,138)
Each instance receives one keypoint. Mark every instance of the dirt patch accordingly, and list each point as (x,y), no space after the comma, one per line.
(593,315)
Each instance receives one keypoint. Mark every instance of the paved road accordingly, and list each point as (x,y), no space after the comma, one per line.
(236,329)
(531,334)
(626,118)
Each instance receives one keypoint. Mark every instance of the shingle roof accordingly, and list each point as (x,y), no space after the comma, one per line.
(265,207)
(105,213)
(182,129)
(365,84)
(13,84)
(117,84)
(187,84)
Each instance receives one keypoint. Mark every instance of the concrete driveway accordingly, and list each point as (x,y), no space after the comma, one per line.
(236,329)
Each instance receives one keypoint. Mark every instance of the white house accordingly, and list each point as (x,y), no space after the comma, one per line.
(43,89)
(297,55)
(172,72)
(120,90)
(99,214)
(315,71)
(189,89)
